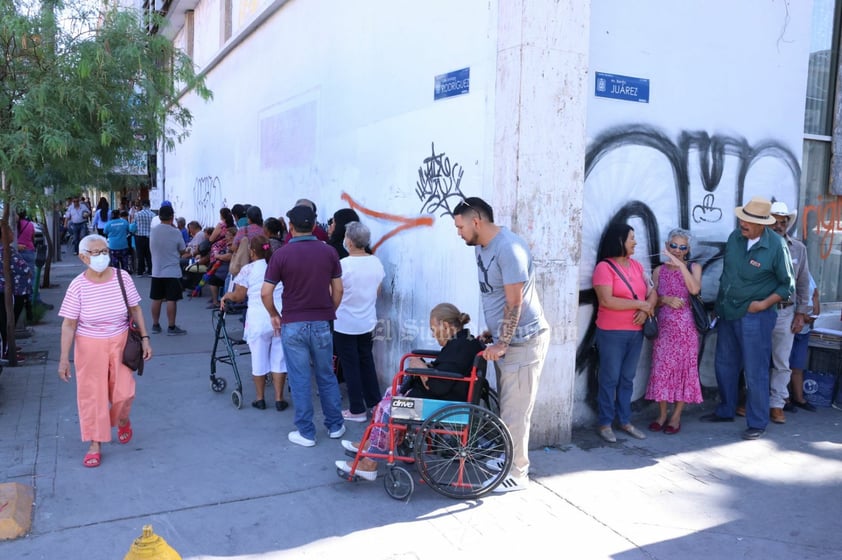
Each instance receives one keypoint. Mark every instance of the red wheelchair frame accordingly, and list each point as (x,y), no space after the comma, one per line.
(452,444)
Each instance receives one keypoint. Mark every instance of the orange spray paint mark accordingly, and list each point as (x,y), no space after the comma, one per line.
(404,222)
(828,216)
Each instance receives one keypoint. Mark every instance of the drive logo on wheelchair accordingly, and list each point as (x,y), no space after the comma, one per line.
(403,403)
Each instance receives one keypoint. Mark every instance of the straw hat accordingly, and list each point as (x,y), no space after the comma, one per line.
(781,209)
(757,211)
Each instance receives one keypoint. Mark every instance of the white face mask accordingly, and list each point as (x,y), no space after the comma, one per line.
(99,262)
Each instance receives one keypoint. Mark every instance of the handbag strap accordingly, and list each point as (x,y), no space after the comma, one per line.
(119,273)
(622,277)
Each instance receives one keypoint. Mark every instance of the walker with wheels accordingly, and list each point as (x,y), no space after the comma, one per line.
(229,356)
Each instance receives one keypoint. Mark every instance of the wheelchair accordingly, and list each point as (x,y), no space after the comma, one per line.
(450,443)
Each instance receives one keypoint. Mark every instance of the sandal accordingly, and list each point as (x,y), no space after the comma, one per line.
(92,460)
(124,433)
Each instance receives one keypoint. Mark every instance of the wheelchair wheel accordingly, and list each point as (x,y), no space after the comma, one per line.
(218,384)
(454,446)
(398,483)
(237,399)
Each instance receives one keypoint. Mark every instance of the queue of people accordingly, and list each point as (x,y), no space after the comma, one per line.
(310,299)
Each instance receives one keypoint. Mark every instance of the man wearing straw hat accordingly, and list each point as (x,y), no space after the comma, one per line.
(756,275)
(791,313)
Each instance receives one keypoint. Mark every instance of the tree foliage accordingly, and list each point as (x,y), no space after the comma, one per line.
(85,93)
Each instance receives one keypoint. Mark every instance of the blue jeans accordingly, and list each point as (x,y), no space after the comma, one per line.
(745,344)
(354,353)
(308,348)
(619,352)
(78,231)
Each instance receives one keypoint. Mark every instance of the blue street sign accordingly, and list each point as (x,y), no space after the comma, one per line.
(627,88)
(452,83)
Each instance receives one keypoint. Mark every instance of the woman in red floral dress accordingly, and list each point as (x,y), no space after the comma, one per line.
(675,353)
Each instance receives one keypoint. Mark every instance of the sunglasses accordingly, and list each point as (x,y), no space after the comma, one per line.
(679,247)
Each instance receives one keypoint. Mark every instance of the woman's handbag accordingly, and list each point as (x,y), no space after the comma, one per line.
(650,327)
(133,350)
(700,314)
(240,258)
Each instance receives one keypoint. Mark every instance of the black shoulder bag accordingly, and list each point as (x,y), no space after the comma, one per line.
(700,315)
(650,327)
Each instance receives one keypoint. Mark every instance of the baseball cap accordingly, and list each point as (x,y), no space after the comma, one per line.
(302,217)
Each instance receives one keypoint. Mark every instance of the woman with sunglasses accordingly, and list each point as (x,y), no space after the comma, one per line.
(675,364)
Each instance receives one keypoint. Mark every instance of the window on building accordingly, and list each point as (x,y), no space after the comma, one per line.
(820,219)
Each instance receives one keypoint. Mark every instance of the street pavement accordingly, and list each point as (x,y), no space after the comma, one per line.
(218,482)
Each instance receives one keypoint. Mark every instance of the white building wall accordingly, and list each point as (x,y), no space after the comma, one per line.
(334,103)
(727,90)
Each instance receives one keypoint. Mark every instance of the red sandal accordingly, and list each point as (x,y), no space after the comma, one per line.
(92,460)
(124,433)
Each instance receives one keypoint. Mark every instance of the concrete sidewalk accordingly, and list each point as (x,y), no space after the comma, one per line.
(217,482)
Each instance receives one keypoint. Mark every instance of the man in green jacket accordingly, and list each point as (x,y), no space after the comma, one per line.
(757,274)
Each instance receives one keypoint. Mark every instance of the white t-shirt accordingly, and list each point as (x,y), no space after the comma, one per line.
(361,277)
(257,318)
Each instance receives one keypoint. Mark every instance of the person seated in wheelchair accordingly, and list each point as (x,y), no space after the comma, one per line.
(459,348)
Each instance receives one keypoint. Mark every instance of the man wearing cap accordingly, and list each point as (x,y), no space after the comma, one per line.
(791,313)
(318,231)
(756,275)
(311,275)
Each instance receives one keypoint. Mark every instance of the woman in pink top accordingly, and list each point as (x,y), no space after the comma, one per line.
(626,300)
(95,319)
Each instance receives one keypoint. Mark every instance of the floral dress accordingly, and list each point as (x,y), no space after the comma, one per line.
(675,353)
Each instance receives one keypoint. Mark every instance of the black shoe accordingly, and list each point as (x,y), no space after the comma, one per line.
(753,433)
(713,417)
(280,406)
(805,405)
(261,404)
(790,407)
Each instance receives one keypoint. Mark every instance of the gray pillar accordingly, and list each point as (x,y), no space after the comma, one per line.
(539,154)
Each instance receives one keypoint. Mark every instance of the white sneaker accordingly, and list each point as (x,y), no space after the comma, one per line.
(512,484)
(348,445)
(338,433)
(296,438)
(496,464)
(351,417)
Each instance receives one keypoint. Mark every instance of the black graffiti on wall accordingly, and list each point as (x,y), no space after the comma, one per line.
(713,153)
(438,184)
(207,200)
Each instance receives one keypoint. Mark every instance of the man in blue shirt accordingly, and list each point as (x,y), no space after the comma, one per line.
(117,232)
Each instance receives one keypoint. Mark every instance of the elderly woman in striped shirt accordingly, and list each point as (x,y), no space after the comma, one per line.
(95,319)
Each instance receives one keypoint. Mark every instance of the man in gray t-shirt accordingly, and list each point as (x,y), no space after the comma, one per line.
(166,244)
(515,319)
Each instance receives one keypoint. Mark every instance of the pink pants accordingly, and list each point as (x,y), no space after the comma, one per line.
(104,386)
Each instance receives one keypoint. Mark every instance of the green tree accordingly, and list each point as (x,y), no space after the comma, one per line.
(85,93)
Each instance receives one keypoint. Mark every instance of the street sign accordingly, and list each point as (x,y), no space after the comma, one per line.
(452,83)
(625,88)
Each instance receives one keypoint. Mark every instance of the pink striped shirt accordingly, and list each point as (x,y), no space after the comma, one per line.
(99,308)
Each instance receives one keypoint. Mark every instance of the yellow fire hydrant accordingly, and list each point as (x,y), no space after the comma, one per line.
(150,545)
